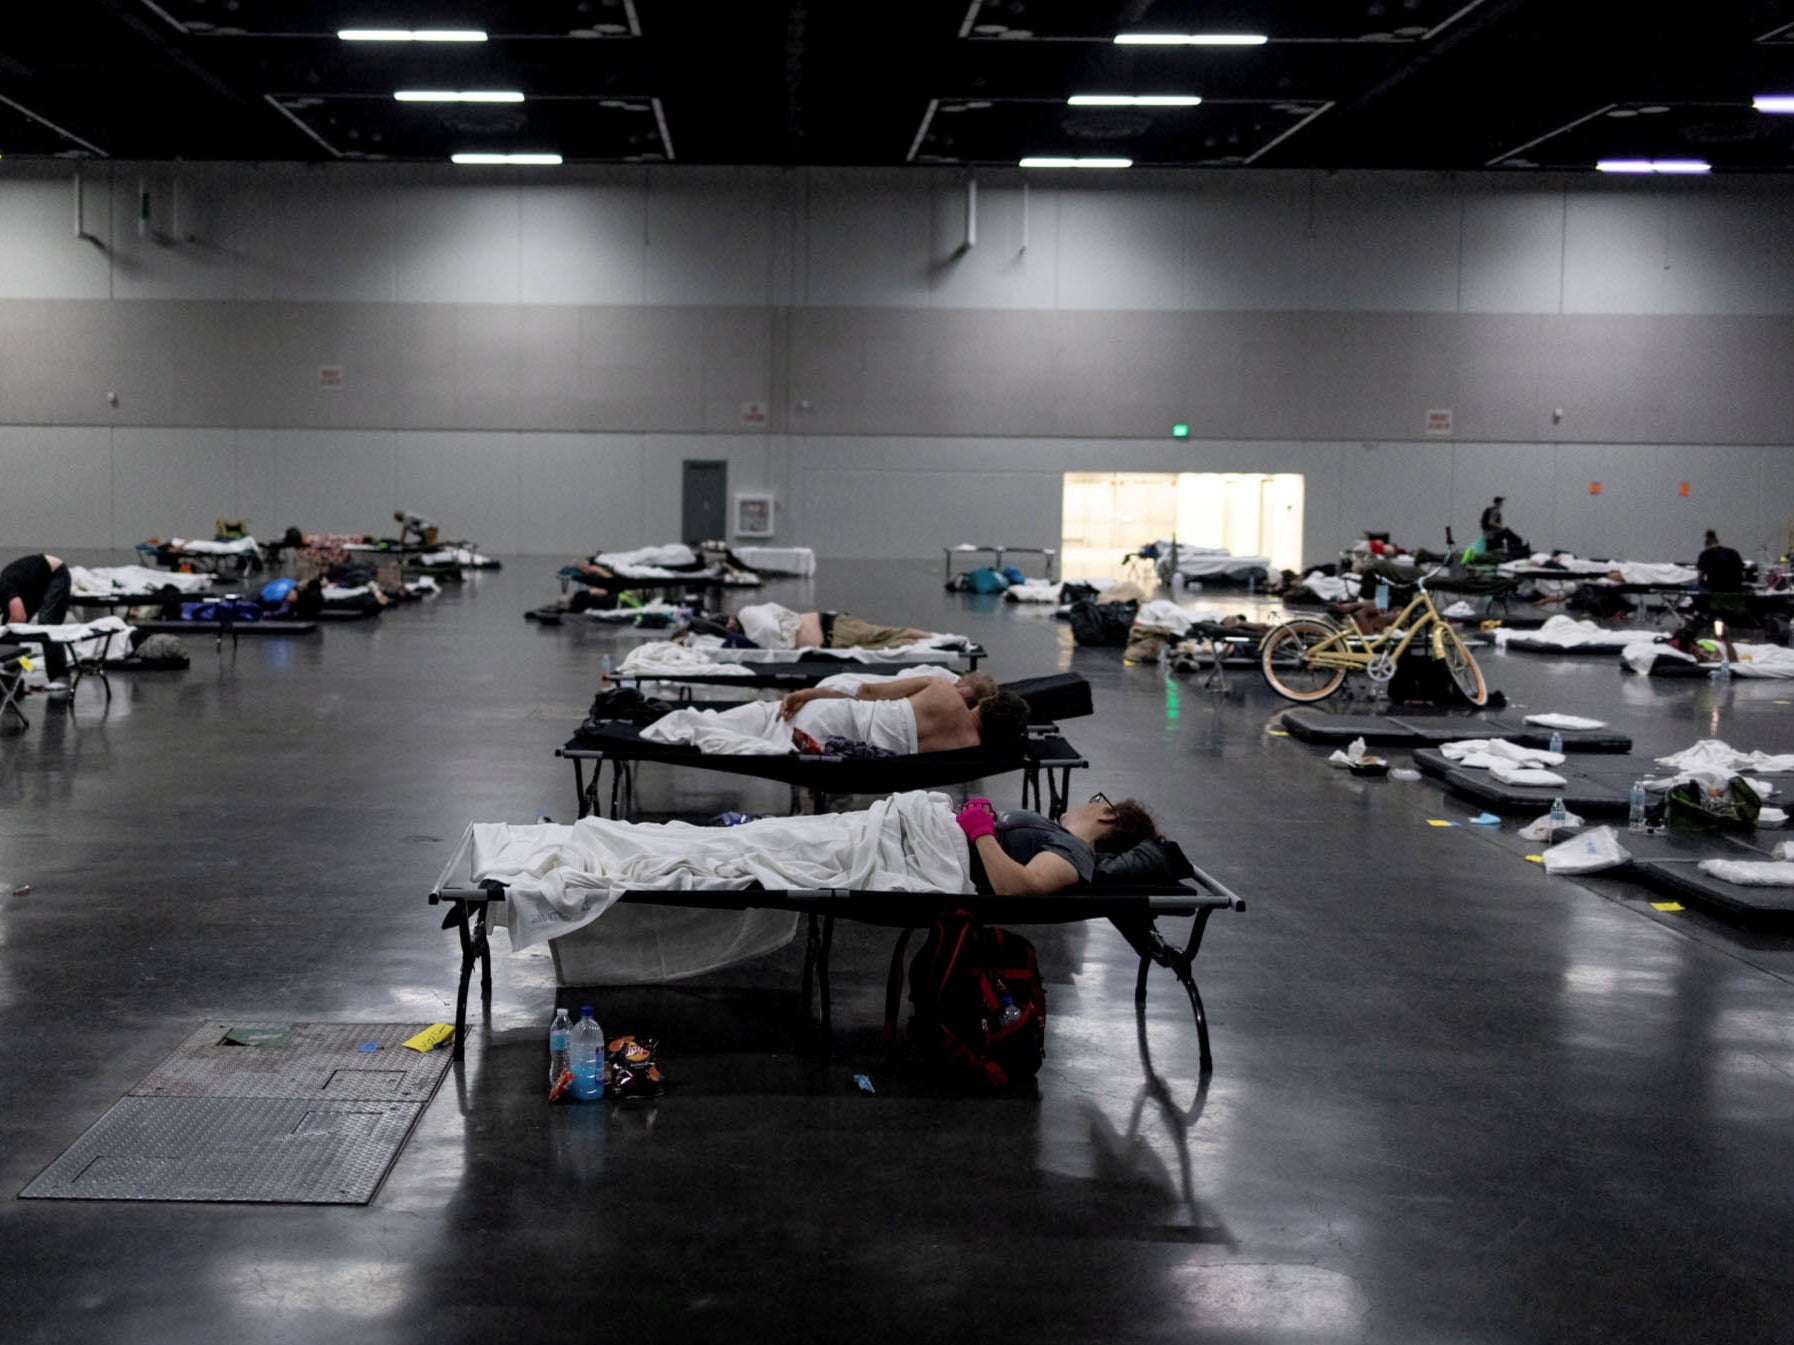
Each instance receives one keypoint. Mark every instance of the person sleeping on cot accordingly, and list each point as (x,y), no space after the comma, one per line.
(1022,852)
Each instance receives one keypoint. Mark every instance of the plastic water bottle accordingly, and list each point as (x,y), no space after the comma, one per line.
(1722,672)
(1635,807)
(1557,742)
(588,1055)
(604,671)
(1560,815)
(1383,596)
(1008,1011)
(559,1044)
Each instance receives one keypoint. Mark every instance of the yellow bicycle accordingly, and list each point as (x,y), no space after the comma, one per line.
(1307,659)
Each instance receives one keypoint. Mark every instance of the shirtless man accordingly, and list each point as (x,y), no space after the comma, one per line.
(945,717)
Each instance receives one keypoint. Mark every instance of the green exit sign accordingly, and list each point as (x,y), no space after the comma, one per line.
(1180,431)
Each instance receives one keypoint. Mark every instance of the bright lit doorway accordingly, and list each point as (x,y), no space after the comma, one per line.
(1110,515)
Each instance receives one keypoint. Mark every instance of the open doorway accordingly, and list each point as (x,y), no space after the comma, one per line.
(1110,515)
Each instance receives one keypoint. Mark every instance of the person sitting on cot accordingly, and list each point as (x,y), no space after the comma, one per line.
(1366,615)
(1022,852)
(771,626)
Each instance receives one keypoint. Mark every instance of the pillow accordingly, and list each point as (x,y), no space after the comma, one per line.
(1151,863)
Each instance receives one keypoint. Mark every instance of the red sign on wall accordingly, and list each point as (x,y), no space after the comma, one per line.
(1594,487)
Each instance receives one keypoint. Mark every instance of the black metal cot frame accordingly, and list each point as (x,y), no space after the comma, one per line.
(1133,911)
(1044,755)
(93,665)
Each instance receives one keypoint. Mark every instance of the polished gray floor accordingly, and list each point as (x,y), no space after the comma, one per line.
(1454,1100)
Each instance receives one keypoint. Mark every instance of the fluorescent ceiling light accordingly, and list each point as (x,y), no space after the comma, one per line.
(411,35)
(1048,162)
(1134,100)
(540,160)
(1190,39)
(453,96)
(1653,166)
(1774,102)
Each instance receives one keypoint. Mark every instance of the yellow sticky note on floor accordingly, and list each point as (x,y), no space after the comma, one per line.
(1536,859)
(1666,905)
(1284,733)
(1439,822)
(432,1037)
(1785,702)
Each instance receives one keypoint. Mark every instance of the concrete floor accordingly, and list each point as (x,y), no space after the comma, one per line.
(1454,1099)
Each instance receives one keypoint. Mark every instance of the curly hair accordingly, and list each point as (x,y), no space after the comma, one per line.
(1002,720)
(982,686)
(1132,825)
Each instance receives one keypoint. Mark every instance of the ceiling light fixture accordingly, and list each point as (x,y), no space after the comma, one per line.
(1133,100)
(1653,166)
(533,160)
(411,35)
(1774,102)
(1190,39)
(1050,162)
(457,96)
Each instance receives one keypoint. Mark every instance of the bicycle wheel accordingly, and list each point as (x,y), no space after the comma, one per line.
(1464,670)
(1283,658)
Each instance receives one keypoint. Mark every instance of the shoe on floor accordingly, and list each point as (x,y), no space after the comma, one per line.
(58,691)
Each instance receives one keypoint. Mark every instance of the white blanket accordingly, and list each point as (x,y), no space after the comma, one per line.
(755,729)
(625,615)
(934,646)
(1484,753)
(1750,872)
(1712,754)
(663,656)
(559,878)
(112,580)
(1771,661)
(237,547)
(676,554)
(456,555)
(1160,615)
(1330,587)
(1034,590)
(70,632)
(1563,632)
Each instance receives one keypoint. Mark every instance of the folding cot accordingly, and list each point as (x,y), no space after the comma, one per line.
(1133,910)
(621,744)
(12,682)
(90,664)
(1050,698)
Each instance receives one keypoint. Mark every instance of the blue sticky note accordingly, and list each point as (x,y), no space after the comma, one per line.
(1485,820)
(368,1047)
(864,1084)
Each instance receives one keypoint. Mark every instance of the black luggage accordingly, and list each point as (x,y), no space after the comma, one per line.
(1052,698)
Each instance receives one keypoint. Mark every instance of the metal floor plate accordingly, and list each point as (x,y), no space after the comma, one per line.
(318,1060)
(314,1119)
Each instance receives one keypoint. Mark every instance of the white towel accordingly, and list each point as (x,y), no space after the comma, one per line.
(1750,872)
(1525,775)
(1557,721)
(663,656)
(1716,755)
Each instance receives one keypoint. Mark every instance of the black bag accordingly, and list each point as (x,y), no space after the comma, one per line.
(979,1005)
(1421,679)
(1106,623)
(622,703)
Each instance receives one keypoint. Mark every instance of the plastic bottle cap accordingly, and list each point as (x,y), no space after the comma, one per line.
(585,1011)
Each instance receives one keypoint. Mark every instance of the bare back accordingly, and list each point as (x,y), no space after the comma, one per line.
(943,719)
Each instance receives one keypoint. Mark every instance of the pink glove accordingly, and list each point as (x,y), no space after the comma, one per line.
(977,819)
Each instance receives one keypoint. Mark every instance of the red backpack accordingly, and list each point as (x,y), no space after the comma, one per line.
(979,1005)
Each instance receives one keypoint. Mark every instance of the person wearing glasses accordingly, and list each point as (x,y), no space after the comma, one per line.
(1023,852)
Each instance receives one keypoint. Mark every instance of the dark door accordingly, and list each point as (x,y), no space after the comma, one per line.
(704,512)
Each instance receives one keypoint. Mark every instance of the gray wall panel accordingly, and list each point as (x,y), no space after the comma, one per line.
(172,483)
(336,481)
(69,507)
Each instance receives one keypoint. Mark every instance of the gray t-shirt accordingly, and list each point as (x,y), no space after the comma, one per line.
(1022,834)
